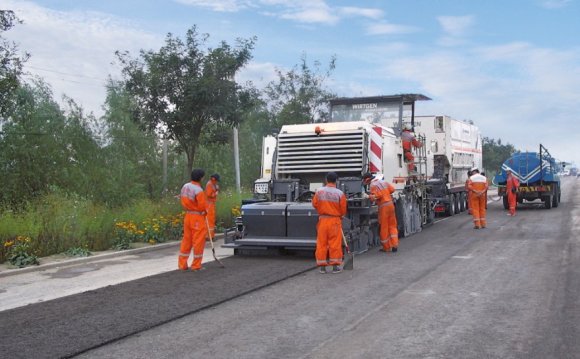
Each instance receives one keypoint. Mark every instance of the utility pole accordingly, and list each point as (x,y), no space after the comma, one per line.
(164,189)
(237,160)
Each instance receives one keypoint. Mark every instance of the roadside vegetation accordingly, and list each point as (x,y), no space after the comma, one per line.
(73,183)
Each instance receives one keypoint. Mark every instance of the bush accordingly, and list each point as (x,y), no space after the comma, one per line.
(20,252)
(61,223)
(228,208)
(152,231)
(77,252)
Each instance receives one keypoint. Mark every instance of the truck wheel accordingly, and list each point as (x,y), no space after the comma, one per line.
(548,202)
(456,200)
(450,206)
(461,201)
(506,205)
(555,201)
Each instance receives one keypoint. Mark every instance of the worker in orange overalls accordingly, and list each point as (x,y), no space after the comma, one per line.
(330,203)
(409,141)
(381,193)
(477,186)
(212,189)
(467,191)
(194,224)
(511,188)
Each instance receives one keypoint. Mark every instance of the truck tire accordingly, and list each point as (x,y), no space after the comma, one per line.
(462,203)
(548,202)
(555,201)
(506,204)
(456,200)
(450,210)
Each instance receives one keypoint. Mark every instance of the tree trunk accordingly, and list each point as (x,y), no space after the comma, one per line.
(190,157)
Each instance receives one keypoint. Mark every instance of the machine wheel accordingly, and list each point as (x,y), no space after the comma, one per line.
(451,207)
(457,206)
(506,204)
(555,199)
(462,203)
(548,202)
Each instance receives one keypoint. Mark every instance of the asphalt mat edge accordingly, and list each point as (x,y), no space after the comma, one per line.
(70,325)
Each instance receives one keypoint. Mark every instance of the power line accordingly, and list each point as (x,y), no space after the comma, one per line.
(65,73)
(66,136)
(73,81)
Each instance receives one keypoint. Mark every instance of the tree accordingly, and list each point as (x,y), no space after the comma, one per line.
(299,96)
(183,91)
(132,158)
(10,62)
(495,153)
(42,148)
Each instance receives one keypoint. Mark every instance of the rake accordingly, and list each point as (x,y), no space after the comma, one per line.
(349,260)
(212,247)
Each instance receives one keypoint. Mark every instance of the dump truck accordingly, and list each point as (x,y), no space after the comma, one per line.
(363,135)
(453,148)
(537,173)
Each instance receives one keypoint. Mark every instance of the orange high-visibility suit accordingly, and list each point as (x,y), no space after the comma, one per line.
(194,225)
(409,141)
(330,203)
(467,191)
(381,192)
(211,192)
(478,199)
(511,188)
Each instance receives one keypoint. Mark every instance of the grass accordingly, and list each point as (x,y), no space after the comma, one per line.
(58,223)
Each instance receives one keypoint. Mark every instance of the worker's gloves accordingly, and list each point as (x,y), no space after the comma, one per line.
(365,195)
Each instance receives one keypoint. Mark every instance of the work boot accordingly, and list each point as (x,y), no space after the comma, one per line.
(336,269)
(384,250)
(394,249)
(322,270)
(476,227)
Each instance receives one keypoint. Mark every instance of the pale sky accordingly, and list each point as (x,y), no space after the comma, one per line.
(510,66)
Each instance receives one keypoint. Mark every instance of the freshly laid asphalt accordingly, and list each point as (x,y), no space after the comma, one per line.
(509,291)
(74,324)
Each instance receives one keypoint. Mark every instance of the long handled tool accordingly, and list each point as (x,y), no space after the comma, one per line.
(211,241)
(349,260)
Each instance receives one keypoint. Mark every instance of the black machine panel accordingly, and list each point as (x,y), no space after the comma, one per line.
(302,220)
(266,219)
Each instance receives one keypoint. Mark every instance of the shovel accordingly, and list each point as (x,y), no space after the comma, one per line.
(212,247)
(349,259)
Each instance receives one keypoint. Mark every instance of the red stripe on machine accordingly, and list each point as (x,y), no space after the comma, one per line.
(376,149)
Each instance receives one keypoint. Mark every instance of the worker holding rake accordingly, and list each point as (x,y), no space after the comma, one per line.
(195,228)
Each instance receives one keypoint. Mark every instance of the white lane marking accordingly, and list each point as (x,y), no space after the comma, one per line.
(469,256)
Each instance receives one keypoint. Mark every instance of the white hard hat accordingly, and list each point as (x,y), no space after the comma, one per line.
(475,169)
(406,127)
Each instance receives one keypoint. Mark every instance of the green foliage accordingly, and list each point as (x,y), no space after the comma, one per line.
(131,157)
(494,155)
(10,62)
(77,252)
(56,223)
(68,178)
(183,90)
(42,149)
(299,95)
(227,207)
(154,230)
(20,253)
(251,135)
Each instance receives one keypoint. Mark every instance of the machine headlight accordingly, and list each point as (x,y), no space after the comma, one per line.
(261,187)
